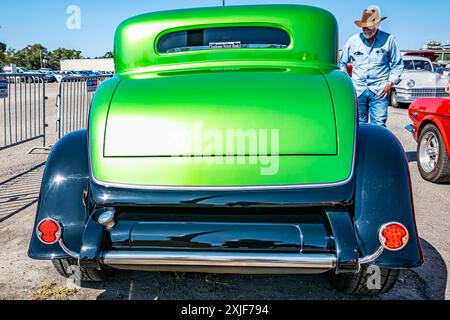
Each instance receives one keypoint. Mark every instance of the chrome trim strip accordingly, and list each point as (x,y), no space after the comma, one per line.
(71,253)
(216,188)
(219,259)
(371,258)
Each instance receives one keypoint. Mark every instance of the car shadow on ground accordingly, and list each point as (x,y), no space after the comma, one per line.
(20,192)
(426,282)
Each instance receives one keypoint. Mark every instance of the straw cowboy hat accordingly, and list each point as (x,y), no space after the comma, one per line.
(371,18)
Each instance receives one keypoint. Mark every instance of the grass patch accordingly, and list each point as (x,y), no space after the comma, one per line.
(50,291)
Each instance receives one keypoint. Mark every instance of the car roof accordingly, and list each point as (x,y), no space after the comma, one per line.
(313,34)
(419,58)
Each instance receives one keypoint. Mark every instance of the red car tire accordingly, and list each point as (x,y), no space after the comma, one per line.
(432,158)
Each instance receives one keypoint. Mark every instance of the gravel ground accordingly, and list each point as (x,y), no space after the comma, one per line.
(23,278)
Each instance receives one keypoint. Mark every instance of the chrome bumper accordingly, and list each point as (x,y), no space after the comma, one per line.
(218,259)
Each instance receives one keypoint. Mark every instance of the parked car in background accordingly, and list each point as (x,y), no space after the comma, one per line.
(431,130)
(49,76)
(143,188)
(350,69)
(25,75)
(89,73)
(436,66)
(418,80)
(63,74)
(444,72)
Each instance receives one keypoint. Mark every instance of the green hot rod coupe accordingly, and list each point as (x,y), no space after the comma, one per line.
(228,142)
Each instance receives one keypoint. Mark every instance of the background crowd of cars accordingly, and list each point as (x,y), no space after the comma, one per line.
(51,76)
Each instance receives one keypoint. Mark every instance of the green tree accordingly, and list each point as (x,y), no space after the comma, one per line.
(31,56)
(59,54)
(3,56)
(108,55)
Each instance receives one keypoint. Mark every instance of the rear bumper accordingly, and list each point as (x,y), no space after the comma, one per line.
(281,263)
(309,247)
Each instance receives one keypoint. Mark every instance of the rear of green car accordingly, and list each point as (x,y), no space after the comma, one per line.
(228,142)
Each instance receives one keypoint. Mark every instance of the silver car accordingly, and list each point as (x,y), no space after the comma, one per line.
(418,81)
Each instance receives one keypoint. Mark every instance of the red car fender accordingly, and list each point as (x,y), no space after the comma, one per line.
(436,111)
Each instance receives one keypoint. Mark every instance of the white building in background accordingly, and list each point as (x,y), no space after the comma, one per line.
(87,64)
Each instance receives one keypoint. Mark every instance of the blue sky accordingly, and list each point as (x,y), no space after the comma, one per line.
(24,22)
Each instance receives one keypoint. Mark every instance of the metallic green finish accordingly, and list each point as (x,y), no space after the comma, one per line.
(150,117)
(313,33)
(97,118)
(297,91)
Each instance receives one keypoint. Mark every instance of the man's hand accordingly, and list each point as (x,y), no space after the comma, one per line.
(447,88)
(386,91)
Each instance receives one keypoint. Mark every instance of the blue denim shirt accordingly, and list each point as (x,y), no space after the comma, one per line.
(373,66)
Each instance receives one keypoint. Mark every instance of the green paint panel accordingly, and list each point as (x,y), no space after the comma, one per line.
(192,114)
(140,119)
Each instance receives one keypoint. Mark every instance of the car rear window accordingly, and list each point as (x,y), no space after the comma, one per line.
(224,38)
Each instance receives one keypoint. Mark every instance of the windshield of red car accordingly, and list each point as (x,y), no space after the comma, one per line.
(224,38)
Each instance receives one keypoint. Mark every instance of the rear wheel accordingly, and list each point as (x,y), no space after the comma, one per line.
(370,281)
(69,268)
(433,160)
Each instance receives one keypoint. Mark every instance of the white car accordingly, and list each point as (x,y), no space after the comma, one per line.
(418,80)
(60,75)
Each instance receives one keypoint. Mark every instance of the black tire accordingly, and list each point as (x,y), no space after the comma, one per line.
(356,284)
(441,172)
(394,102)
(69,268)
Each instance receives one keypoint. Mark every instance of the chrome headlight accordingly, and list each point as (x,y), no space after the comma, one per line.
(411,83)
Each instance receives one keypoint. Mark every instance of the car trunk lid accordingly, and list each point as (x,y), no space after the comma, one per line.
(222,112)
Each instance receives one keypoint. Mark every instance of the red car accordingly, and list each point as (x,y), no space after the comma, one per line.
(431,129)
(350,69)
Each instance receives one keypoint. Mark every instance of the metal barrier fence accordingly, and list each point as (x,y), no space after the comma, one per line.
(22,109)
(73,102)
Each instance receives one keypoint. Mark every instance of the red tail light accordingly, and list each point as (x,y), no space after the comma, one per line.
(48,231)
(394,236)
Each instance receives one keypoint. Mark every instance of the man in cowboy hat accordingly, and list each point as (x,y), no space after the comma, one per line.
(377,66)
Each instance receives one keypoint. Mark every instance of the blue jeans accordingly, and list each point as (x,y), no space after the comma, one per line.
(370,105)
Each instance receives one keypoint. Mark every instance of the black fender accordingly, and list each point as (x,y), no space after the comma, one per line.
(383,194)
(64,185)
